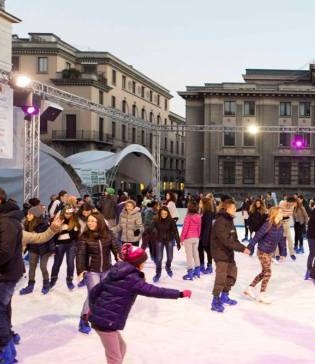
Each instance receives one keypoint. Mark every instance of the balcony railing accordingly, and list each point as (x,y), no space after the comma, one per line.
(82,135)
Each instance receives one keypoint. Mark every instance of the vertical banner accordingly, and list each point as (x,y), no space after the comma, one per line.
(6,122)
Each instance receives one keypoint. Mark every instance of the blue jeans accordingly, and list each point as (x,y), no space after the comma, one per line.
(91,279)
(6,293)
(159,248)
(61,250)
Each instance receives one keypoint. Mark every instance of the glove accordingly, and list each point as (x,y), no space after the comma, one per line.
(186,293)
(136,232)
(178,246)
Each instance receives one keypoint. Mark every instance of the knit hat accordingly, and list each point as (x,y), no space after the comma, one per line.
(133,255)
(36,211)
(110,191)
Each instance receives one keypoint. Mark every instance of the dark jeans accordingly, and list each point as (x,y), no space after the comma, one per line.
(6,293)
(225,277)
(43,266)
(311,256)
(61,250)
(202,250)
(246,221)
(159,248)
(298,234)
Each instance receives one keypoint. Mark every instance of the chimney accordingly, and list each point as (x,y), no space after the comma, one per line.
(2,4)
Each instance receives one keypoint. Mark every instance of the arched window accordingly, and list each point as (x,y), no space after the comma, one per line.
(124,107)
(134,110)
(143,114)
(159,120)
(151,117)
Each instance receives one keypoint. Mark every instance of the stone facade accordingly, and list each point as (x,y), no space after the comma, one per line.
(241,164)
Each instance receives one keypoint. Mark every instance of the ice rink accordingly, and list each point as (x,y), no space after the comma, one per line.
(181,331)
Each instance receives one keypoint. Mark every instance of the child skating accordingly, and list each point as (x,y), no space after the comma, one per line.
(268,237)
(112,299)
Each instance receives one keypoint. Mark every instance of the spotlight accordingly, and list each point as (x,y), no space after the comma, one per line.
(252,129)
(298,142)
(30,110)
(22,81)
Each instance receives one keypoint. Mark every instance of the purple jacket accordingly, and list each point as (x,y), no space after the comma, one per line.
(111,300)
(268,239)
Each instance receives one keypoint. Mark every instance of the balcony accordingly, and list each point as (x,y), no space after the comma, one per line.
(82,136)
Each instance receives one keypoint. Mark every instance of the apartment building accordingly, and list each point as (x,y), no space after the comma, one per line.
(242,163)
(104,79)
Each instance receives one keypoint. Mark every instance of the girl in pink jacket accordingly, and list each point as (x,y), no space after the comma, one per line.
(190,239)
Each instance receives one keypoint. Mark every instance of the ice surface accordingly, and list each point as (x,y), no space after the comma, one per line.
(181,331)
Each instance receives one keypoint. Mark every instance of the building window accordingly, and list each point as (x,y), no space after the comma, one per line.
(123,133)
(158,100)
(183,165)
(114,77)
(15,63)
(101,128)
(42,65)
(158,120)
(304,173)
(171,163)
(143,114)
(248,140)
(151,117)
(101,97)
(229,138)
(134,87)
(150,140)
(124,106)
(133,135)
(285,109)
(134,110)
(228,172)
(113,103)
(249,108)
(165,104)
(123,81)
(165,121)
(248,173)
(142,91)
(183,150)
(113,129)
(71,126)
(68,65)
(305,109)
(165,143)
(151,96)
(285,140)
(142,137)
(177,147)
(172,146)
(229,108)
(284,173)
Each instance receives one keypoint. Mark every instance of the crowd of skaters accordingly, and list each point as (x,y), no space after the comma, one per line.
(89,233)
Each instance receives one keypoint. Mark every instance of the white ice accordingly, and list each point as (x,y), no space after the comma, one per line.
(179,331)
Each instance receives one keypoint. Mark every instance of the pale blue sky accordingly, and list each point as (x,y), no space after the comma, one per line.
(181,42)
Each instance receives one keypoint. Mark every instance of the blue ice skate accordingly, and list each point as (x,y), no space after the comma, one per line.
(225,299)
(216,305)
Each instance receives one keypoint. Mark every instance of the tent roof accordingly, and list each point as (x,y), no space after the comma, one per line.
(103,160)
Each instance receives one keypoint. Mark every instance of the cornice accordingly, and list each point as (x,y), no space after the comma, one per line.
(81,82)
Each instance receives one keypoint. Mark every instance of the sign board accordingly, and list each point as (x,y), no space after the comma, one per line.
(6,122)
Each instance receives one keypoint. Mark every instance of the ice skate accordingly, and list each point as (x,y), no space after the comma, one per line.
(263,298)
(250,292)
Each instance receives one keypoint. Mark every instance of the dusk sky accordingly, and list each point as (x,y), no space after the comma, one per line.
(179,42)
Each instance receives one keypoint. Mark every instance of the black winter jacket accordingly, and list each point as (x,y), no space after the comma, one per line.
(93,255)
(311,226)
(11,262)
(165,230)
(206,227)
(224,239)
(44,248)
(256,220)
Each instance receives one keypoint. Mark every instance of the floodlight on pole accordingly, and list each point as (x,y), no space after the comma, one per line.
(22,81)
(253,129)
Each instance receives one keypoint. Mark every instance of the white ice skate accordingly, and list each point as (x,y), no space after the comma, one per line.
(250,292)
(263,298)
